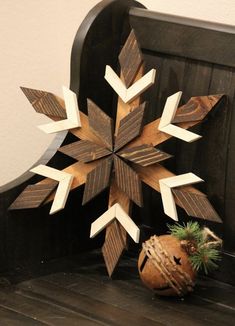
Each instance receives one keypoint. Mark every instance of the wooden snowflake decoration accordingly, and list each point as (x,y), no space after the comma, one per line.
(120,156)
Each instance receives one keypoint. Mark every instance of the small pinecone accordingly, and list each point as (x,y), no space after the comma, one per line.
(190,247)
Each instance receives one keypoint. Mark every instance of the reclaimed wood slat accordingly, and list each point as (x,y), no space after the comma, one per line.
(33,196)
(46,312)
(116,236)
(130,59)
(196,205)
(130,127)
(84,151)
(97,180)
(11,318)
(101,124)
(152,136)
(45,102)
(196,108)
(93,309)
(154,173)
(144,155)
(128,181)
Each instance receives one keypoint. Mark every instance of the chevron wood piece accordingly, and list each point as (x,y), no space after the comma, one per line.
(84,151)
(130,127)
(128,181)
(169,110)
(129,94)
(166,192)
(153,136)
(168,115)
(144,155)
(130,59)
(126,108)
(33,196)
(155,172)
(65,181)
(115,212)
(97,180)
(72,111)
(196,108)
(54,107)
(45,102)
(196,205)
(100,123)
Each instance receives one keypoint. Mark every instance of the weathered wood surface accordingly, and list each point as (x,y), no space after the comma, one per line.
(33,195)
(78,292)
(130,59)
(101,124)
(144,155)
(128,181)
(97,180)
(130,127)
(84,151)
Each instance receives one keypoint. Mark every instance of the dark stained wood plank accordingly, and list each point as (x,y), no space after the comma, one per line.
(97,180)
(45,311)
(130,127)
(116,236)
(114,245)
(144,155)
(93,308)
(184,37)
(84,151)
(100,123)
(153,173)
(128,181)
(196,108)
(9,317)
(196,205)
(127,291)
(33,196)
(45,102)
(130,59)
(152,136)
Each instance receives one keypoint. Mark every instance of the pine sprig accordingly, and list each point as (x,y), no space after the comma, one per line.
(205,258)
(190,231)
(205,254)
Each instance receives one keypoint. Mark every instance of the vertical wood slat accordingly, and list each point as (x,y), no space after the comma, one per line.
(116,236)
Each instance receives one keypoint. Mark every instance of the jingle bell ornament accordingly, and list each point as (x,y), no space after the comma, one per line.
(168,264)
(164,266)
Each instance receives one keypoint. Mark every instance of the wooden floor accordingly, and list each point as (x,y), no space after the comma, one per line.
(77,291)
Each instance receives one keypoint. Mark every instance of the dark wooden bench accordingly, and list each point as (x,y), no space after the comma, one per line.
(193,56)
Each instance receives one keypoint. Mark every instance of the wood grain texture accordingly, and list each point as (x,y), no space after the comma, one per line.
(154,173)
(45,102)
(196,108)
(84,151)
(130,127)
(130,59)
(101,124)
(33,196)
(128,181)
(123,108)
(116,236)
(79,171)
(152,136)
(144,155)
(196,205)
(97,180)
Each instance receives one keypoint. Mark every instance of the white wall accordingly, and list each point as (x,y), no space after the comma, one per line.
(36,39)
